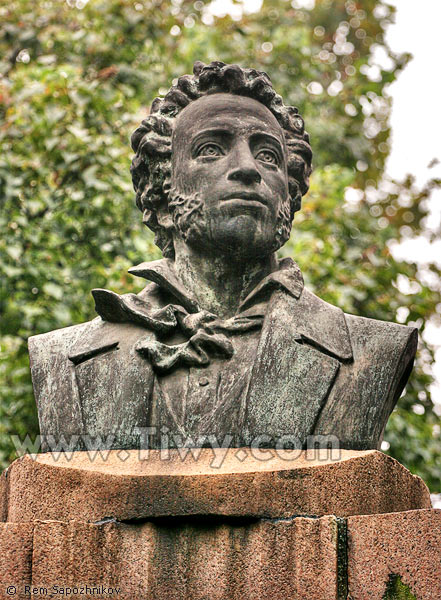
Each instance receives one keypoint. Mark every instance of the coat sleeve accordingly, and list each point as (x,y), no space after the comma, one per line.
(368,387)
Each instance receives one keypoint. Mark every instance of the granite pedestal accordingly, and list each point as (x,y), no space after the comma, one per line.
(211,527)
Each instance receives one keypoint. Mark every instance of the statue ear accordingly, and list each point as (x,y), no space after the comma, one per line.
(163,215)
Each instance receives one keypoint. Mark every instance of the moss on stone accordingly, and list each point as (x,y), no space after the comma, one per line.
(397,590)
(342,558)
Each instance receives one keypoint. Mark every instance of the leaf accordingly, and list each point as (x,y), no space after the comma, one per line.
(78,132)
(53,290)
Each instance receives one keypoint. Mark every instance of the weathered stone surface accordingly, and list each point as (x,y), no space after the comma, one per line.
(15,559)
(362,482)
(193,560)
(405,544)
(224,341)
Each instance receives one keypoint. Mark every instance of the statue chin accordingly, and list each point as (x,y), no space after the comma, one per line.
(238,236)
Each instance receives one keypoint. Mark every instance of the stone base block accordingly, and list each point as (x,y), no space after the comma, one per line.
(201,559)
(233,483)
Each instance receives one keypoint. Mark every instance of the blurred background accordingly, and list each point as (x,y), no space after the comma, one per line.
(76,79)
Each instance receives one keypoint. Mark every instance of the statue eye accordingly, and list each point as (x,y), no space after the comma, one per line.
(210,150)
(268,157)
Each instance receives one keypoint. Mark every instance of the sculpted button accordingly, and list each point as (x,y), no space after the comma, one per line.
(203,381)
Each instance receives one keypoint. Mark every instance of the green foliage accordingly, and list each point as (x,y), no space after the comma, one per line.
(77,79)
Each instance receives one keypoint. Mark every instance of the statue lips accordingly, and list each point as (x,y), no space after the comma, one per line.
(245,200)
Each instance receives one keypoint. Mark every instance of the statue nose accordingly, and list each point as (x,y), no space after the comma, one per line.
(245,174)
(244,168)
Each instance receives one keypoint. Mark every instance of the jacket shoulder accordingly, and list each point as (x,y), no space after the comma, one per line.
(363,329)
(60,341)
(366,328)
(351,336)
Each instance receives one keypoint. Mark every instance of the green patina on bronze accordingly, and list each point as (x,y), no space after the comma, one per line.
(397,590)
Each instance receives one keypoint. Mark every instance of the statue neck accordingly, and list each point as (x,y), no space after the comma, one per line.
(220,282)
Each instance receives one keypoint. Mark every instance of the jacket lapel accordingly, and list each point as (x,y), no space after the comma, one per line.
(302,344)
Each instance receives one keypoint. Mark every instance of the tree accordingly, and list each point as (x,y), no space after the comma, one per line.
(76,81)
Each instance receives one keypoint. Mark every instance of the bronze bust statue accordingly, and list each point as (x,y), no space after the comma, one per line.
(224,343)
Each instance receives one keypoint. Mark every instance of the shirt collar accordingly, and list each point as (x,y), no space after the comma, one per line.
(287,276)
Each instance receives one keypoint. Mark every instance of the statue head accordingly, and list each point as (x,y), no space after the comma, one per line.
(221,160)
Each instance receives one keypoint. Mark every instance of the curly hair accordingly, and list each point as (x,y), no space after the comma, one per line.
(151,165)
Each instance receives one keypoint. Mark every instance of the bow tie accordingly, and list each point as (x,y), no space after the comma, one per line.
(207,335)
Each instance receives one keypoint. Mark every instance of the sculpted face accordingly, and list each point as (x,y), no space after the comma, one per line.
(229,171)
